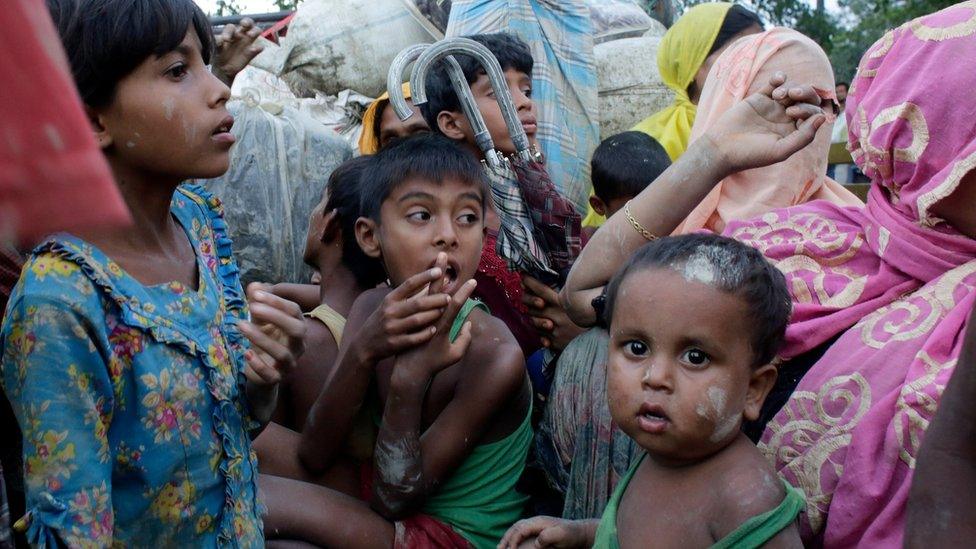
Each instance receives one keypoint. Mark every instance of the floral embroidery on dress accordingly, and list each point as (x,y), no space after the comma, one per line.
(131,398)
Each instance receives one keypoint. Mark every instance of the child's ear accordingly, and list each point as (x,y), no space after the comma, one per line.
(102,136)
(598,205)
(331,227)
(760,383)
(367,238)
(452,125)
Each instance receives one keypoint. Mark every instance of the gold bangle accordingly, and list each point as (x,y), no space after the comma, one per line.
(637,226)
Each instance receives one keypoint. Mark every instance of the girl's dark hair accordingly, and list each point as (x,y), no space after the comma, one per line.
(512,53)
(737,20)
(735,268)
(343,197)
(107,39)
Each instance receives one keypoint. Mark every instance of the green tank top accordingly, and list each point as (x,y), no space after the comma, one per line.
(479,500)
(753,533)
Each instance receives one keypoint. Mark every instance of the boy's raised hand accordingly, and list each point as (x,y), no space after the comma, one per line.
(235,47)
(277,335)
(406,316)
(424,361)
(768,126)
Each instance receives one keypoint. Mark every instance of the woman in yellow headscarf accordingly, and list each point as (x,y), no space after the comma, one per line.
(381,124)
(684,58)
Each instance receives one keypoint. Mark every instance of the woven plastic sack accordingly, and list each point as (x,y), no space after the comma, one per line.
(630,86)
(333,46)
(278,171)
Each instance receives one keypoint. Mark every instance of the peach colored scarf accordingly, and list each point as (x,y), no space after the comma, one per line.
(742,70)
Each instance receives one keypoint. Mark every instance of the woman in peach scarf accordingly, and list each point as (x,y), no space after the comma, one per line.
(741,71)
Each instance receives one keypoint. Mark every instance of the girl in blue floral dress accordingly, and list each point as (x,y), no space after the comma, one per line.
(136,365)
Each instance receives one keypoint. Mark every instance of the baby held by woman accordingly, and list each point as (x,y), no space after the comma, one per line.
(695,322)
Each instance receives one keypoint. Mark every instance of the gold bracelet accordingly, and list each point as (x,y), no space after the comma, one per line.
(637,226)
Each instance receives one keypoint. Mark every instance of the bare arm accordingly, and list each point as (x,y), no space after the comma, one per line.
(765,128)
(411,462)
(342,395)
(314,369)
(379,326)
(942,504)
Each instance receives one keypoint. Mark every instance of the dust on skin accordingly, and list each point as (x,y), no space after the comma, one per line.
(397,466)
(714,409)
(710,265)
(169,107)
(190,131)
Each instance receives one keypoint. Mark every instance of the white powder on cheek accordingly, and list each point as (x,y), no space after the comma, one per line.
(725,422)
(189,131)
(169,107)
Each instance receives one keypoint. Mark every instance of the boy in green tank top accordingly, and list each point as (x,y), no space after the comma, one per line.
(695,323)
(452,399)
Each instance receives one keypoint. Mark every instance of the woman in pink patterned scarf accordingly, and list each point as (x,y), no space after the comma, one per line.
(895,281)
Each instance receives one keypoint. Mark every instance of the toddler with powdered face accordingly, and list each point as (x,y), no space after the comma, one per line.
(695,322)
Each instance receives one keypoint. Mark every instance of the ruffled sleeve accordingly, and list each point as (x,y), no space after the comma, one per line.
(60,390)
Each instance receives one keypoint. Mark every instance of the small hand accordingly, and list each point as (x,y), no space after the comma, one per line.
(277,335)
(406,316)
(547,532)
(235,48)
(425,361)
(768,126)
(548,315)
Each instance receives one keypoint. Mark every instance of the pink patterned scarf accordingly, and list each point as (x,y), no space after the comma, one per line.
(897,282)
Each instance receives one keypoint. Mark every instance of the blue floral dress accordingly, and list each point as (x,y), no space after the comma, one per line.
(132,398)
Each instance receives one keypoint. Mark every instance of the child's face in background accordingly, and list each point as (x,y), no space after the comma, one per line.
(520,86)
(679,364)
(421,218)
(169,117)
(391,127)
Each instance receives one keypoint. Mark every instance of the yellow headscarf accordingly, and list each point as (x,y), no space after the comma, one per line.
(369,140)
(682,52)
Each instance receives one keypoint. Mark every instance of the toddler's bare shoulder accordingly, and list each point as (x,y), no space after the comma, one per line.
(750,487)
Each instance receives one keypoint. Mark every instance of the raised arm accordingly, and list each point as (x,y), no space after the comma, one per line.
(942,504)
(379,326)
(765,128)
(412,462)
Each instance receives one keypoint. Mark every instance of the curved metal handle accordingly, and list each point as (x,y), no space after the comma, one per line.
(496,76)
(459,82)
(394,79)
